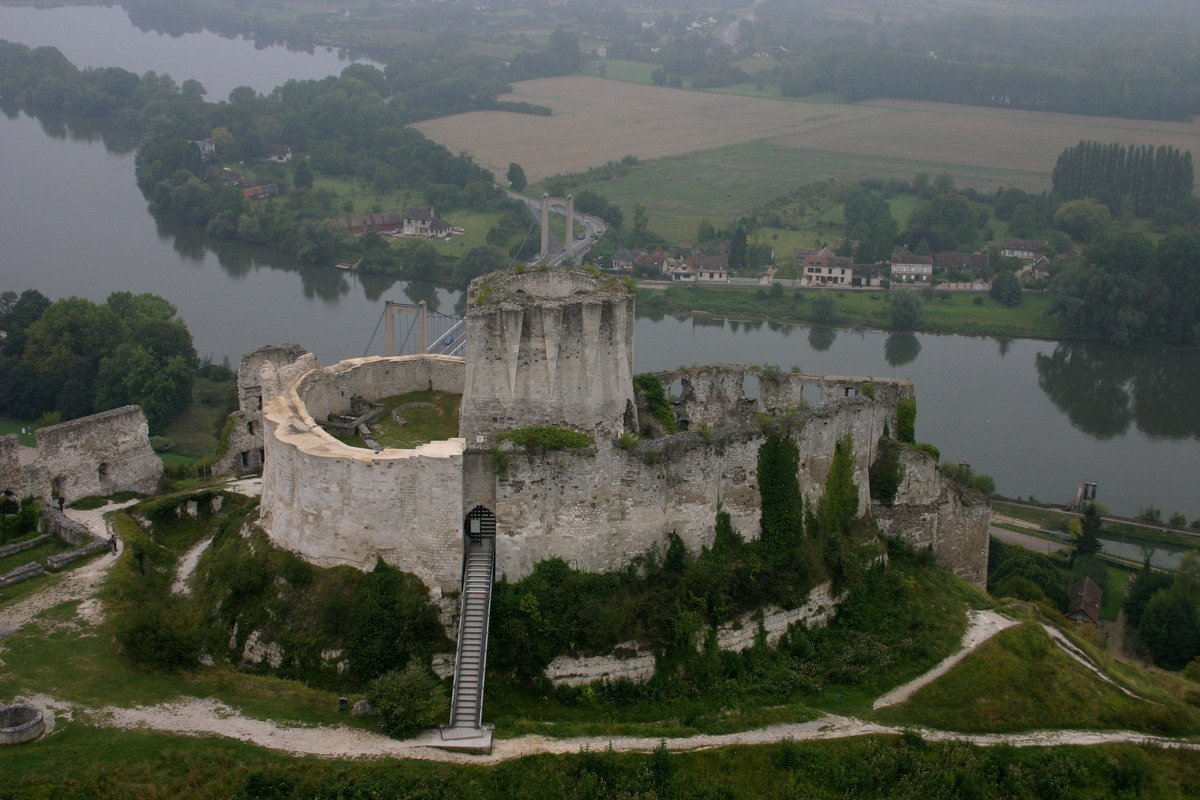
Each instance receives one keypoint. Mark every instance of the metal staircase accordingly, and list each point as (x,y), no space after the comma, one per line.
(479,567)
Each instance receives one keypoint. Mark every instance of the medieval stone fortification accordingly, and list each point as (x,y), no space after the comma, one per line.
(95,455)
(556,349)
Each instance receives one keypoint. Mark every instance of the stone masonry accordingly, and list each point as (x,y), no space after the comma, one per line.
(555,348)
(95,455)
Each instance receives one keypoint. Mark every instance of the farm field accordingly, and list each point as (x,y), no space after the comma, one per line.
(746,149)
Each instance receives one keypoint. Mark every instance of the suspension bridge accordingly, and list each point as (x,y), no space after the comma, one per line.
(412,329)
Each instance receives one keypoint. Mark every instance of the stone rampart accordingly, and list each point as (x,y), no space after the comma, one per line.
(600,507)
(336,504)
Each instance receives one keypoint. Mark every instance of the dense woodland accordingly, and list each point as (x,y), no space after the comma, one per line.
(72,357)
(351,127)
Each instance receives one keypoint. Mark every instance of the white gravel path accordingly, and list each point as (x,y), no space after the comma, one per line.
(251,487)
(187,566)
(1078,655)
(981,626)
(77,584)
(208,717)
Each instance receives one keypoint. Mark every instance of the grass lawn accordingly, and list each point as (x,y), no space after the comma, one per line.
(422,423)
(958,314)
(194,432)
(39,554)
(1115,581)
(1021,680)
(8,425)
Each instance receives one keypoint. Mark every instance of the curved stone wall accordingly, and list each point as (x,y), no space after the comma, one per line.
(335,504)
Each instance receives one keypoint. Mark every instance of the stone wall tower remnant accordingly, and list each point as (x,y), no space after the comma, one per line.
(548,347)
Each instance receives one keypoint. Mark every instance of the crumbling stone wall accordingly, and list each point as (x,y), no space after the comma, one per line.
(335,504)
(724,393)
(600,507)
(95,455)
(262,374)
(930,511)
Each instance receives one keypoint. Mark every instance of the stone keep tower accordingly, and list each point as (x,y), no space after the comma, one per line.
(548,347)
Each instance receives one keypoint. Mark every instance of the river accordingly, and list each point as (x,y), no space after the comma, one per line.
(1038,416)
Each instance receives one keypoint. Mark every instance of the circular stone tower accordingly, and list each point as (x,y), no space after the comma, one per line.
(548,347)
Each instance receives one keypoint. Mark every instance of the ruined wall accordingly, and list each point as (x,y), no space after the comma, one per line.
(932,512)
(599,508)
(335,504)
(262,374)
(548,348)
(13,477)
(94,455)
(719,394)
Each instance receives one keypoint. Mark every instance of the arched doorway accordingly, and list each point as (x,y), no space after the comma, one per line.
(480,523)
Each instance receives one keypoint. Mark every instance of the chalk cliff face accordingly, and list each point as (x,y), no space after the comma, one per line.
(555,348)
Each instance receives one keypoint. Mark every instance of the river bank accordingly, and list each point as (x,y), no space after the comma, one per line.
(965,313)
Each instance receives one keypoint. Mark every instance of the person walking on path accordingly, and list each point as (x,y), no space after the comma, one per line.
(112,542)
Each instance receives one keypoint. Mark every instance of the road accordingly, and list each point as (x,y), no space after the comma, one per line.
(1033,543)
(592,228)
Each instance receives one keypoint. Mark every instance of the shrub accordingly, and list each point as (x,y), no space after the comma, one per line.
(389,616)
(163,633)
(868,390)
(161,444)
(906,419)
(963,475)
(651,390)
(886,472)
(925,447)
(627,440)
(977,300)
(409,701)
(546,438)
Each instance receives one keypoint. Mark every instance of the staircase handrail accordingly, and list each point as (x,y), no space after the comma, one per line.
(462,607)
(487,622)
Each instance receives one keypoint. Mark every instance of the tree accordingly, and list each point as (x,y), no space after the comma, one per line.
(782,506)
(1145,585)
(479,260)
(1088,543)
(516,177)
(640,219)
(1024,221)
(955,220)
(1006,289)
(1084,220)
(824,308)
(302,176)
(905,310)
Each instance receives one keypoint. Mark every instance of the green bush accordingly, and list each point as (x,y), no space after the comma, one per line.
(651,390)
(886,473)
(161,444)
(925,447)
(963,475)
(868,390)
(906,419)
(163,633)
(389,620)
(22,521)
(409,701)
(546,438)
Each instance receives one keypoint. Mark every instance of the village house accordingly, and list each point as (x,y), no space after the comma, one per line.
(825,268)
(1020,248)
(865,275)
(709,268)
(226,176)
(380,223)
(656,261)
(909,268)
(421,221)
(1083,601)
(975,262)
(682,273)
(623,260)
(277,153)
(1037,270)
(260,192)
